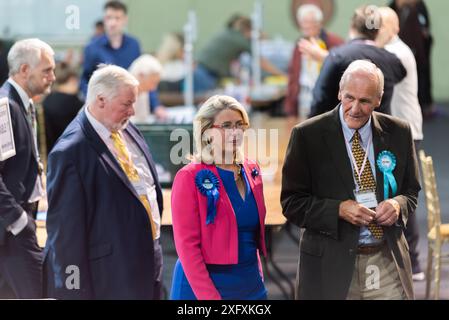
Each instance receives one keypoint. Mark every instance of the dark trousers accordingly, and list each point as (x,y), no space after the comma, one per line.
(21,263)
(412,233)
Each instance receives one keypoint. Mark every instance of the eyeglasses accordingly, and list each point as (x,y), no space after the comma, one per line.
(229,126)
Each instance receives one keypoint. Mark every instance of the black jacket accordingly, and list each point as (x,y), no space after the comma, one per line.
(17,174)
(317,177)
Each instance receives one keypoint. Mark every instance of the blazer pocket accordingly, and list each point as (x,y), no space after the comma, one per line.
(100,251)
(313,248)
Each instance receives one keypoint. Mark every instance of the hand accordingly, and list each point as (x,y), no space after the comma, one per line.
(355,213)
(387,212)
(312,49)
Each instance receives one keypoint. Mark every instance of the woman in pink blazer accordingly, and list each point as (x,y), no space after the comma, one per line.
(218,211)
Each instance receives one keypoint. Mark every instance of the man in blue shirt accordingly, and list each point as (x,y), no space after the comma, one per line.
(114,47)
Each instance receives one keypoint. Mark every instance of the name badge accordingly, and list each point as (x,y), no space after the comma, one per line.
(7,147)
(366,198)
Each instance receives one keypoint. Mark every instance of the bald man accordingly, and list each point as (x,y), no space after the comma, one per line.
(333,186)
(404,105)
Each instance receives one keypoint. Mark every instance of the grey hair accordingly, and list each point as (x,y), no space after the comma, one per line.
(306,9)
(27,51)
(204,120)
(145,65)
(367,67)
(107,80)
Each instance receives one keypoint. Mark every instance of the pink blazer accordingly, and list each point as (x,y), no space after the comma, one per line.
(198,244)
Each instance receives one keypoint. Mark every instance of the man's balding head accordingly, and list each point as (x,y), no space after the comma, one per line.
(390,26)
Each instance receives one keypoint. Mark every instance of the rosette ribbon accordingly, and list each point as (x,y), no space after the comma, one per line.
(207,183)
(386,162)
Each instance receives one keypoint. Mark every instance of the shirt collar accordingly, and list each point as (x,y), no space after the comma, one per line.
(365,131)
(102,131)
(104,40)
(22,94)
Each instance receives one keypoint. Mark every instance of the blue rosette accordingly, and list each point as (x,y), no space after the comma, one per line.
(386,162)
(207,183)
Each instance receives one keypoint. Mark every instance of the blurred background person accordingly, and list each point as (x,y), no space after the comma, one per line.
(171,55)
(147,71)
(113,47)
(215,58)
(219,246)
(307,58)
(360,46)
(98,29)
(404,105)
(62,105)
(414,23)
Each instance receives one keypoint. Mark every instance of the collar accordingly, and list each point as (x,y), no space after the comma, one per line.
(22,94)
(102,131)
(364,131)
(104,40)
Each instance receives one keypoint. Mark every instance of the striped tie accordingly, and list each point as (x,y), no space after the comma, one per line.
(366,181)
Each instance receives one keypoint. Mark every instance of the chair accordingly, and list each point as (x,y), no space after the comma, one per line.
(438,234)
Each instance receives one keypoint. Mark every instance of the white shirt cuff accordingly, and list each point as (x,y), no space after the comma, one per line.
(19,224)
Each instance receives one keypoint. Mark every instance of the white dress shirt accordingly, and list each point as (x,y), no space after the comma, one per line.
(139,161)
(405,103)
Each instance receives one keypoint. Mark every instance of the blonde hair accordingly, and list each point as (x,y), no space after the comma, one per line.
(204,120)
(172,45)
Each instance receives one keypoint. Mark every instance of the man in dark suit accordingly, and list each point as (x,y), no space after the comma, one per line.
(31,66)
(104,201)
(364,29)
(333,185)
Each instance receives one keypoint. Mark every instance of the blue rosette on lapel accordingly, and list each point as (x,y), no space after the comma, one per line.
(386,162)
(207,183)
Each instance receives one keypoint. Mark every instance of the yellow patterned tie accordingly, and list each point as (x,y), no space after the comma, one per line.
(366,181)
(131,172)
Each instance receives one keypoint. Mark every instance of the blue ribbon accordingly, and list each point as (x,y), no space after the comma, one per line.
(208,184)
(386,162)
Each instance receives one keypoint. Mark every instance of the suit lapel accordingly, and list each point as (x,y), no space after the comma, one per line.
(381,142)
(338,152)
(15,98)
(103,151)
(258,196)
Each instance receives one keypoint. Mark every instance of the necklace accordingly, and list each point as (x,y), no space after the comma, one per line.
(239,172)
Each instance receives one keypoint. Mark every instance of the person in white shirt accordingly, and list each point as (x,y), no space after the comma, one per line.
(404,105)
(31,73)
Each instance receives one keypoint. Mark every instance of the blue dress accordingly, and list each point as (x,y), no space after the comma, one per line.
(240,281)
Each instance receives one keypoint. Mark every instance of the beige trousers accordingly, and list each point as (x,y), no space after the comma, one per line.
(376,277)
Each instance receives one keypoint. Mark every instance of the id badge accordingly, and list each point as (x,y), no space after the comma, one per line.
(366,198)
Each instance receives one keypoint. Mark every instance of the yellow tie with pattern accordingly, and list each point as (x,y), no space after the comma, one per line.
(366,181)
(131,172)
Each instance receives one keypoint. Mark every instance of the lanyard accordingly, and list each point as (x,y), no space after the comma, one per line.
(356,168)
